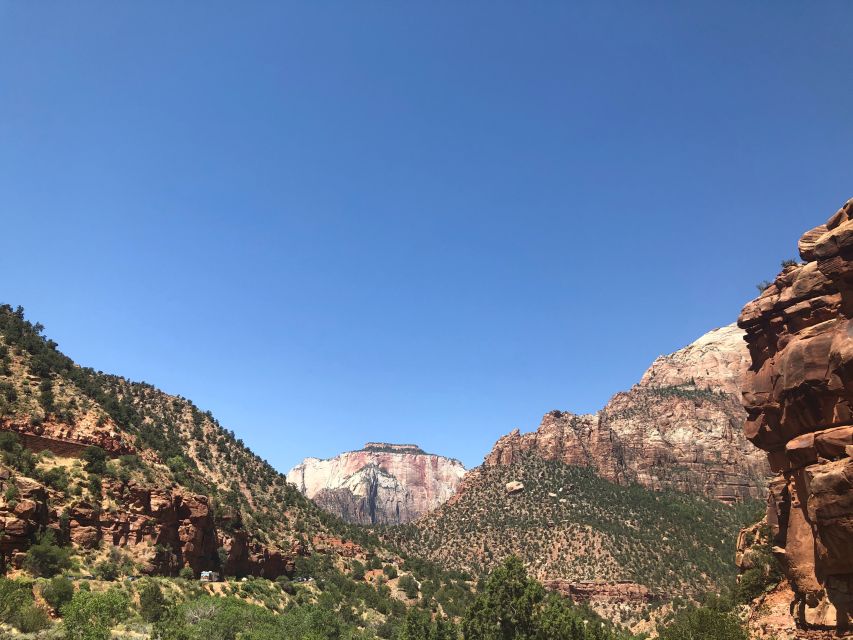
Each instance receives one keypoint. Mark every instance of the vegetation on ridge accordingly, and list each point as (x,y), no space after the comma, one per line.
(571,524)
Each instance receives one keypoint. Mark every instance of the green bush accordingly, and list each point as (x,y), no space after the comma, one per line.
(107,570)
(152,604)
(96,460)
(409,586)
(186,573)
(31,618)
(701,623)
(18,608)
(58,592)
(15,455)
(90,616)
(45,557)
(513,606)
(210,618)
(57,478)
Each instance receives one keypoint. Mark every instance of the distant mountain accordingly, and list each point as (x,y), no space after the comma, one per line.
(379,484)
(680,427)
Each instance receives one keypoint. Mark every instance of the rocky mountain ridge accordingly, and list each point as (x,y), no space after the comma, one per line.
(679,427)
(380,484)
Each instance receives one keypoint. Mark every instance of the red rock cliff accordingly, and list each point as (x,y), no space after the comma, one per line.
(798,394)
(163,529)
(680,427)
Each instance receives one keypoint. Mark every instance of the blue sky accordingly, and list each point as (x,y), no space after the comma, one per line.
(336,222)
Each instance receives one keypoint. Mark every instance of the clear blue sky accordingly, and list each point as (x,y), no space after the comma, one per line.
(333,222)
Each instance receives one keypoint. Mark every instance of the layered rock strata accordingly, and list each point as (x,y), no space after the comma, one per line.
(164,529)
(680,427)
(379,484)
(617,592)
(798,394)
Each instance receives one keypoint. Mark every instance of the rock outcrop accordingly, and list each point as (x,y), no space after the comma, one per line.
(798,394)
(163,529)
(592,591)
(679,427)
(64,438)
(380,484)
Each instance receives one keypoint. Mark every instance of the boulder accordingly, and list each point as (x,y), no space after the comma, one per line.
(514,486)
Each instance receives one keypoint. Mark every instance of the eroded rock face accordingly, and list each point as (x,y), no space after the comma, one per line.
(680,427)
(64,438)
(798,393)
(382,483)
(592,592)
(165,529)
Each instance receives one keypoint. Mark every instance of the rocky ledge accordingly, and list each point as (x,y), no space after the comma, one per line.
(798,394)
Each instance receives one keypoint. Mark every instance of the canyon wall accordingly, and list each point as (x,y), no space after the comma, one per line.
(797,394)
(680,427)
(163,530)
(379,484)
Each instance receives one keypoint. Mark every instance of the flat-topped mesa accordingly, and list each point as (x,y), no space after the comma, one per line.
(382,483)
(798,394)
(387,447)
(680,427)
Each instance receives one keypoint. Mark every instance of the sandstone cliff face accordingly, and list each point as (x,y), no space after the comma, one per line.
(798,394)
(164,529)
(380,484)
(680,427)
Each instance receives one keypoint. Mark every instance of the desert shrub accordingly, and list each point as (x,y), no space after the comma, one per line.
(90,615)
(186,573)
(18,608)
(702,623)
(152,604)
(390,571)
(15,455)
(210,618)
(409,586)
(45,557)
(46,397)
(512,605)
(57,478)
(8,392)
(130,462)
(96,460)
(31,618)
(58,592)
(107,570)
(763,573)
(506,608)
(14,594)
